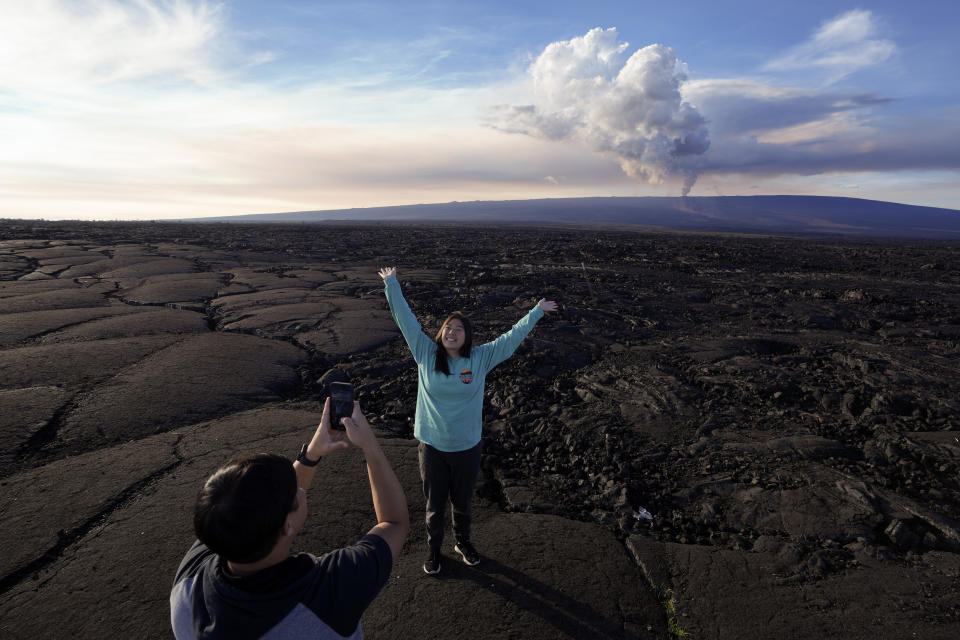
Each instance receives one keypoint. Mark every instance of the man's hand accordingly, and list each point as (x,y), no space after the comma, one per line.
(547,305)
(325,440)
(358,429)
(388,272)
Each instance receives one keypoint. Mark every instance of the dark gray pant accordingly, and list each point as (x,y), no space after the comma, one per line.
(450,475)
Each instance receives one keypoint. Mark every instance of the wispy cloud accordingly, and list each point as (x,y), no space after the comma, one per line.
(777,126)
(759,129)
(838,48)
(143,108)
(54,46)
(751,106)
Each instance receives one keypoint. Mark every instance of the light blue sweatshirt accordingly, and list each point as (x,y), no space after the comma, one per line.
(450,407)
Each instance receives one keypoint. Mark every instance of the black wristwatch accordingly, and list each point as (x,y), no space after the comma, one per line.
(304,460)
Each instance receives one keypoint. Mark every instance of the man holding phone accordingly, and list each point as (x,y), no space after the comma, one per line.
(238,580)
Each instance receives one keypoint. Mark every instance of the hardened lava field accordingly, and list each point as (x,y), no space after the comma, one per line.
(784,407)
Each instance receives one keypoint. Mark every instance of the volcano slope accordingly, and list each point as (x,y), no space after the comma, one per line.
(783,408)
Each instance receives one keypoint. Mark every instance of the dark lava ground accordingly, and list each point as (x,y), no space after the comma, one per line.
(785,408)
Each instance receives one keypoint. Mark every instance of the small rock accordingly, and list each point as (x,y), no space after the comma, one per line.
(768,544)
(900,535)
(739,543)
(333,375)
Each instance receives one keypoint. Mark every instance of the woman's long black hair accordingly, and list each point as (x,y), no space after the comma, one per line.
(441,363)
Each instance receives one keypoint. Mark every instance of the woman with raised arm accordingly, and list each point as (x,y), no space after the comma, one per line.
(451,376)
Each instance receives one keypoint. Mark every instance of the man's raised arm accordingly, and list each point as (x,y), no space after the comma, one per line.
(389,501)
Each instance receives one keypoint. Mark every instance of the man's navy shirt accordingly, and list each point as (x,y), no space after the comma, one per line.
(302,597)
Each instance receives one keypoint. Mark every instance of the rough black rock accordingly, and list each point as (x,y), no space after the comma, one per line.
(783,409)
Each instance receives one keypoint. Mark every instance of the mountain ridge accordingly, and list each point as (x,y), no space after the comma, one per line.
(759,214)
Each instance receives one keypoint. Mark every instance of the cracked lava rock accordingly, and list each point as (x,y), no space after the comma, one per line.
(762,430)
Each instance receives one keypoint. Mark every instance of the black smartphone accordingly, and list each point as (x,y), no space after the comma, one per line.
(341,403)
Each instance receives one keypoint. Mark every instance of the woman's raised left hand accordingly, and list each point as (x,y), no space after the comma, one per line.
(547,305)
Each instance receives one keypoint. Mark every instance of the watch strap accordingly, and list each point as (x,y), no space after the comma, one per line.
(304,460)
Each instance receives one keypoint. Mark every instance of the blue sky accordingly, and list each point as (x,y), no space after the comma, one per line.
(156,109)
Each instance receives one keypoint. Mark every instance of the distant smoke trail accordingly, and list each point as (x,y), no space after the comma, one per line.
(631,109)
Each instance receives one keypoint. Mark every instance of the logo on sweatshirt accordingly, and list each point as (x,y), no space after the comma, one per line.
(466,376)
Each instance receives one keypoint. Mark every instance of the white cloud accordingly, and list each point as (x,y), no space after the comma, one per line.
(53,46)
(631,108)
(839,47)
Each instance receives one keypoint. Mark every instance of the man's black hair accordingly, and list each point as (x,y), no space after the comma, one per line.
(242,507)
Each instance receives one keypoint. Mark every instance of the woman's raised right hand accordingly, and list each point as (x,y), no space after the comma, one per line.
(386,272)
